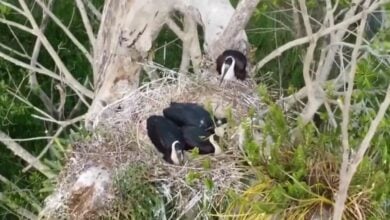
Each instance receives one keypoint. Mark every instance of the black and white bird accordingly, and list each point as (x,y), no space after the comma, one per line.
(197,137)
(231,65)
(192,114)
(167,137)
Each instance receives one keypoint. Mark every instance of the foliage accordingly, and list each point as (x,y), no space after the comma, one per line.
(294,178)
(137,198)
(298,177)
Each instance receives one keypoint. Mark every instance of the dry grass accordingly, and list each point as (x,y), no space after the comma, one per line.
(120,141)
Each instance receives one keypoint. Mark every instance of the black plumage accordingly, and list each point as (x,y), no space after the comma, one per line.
(167,138)
(231,64)
(191,114)
(203,140)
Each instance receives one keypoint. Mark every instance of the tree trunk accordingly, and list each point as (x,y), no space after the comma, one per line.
(125,37)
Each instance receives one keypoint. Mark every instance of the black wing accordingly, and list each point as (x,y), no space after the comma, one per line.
(163,133)
(197,137)
(188,114)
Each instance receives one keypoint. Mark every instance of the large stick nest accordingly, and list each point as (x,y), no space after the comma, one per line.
(120,139)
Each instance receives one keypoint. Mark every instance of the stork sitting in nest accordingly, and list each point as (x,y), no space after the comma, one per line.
(185,126)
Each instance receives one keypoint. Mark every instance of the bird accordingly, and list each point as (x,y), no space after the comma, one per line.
(192,114)
(205,141)
(231,64)
(167,138)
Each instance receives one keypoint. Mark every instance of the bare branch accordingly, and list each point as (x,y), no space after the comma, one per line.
(237,23)
(72,82)
(297,22)
(345,172)
(33,61)
(342,25)
(17,209)
(87,23)
(46,148)
(23,194)
(25,155)
(81,47)
(93,9)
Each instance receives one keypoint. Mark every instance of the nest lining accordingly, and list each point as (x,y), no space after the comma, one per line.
(120,139)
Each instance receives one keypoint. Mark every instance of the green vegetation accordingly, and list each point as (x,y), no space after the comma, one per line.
(290,178)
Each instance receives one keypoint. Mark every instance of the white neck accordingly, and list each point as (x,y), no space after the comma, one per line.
(217,148)
(230,72)
(174,156)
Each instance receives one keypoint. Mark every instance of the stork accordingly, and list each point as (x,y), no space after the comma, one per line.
(231,65)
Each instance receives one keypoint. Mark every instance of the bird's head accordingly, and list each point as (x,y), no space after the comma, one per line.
(227,69)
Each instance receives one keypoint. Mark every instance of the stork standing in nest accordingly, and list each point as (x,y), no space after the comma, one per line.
(231,65)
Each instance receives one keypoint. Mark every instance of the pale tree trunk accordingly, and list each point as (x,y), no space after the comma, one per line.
(134,25)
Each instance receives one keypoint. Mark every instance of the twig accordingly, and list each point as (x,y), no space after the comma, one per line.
(24,195)
(46,148)
(35,87)
(18,210)
(237,23)
(25,155)
(346,173)
(313,91)
(65,29)
(71,81)
(93,9)
(297,23)
(342,25)
(87,23)
(13,7)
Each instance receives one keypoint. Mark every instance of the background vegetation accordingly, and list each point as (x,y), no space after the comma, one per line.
(302,174)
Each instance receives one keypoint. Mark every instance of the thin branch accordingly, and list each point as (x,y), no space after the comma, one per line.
(25,155)
(33,61)
(176,29)
(237,23)
(87,23)
(345,173)
(93,9)
(29,67)
(46,148)
(296,20)
(33,202)
(62,26)
(71,81)
(342,25)
(16,208)
(13,7)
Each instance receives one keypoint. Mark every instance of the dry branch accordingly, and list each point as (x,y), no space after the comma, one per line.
(346,173)
(87,24)
(33,62)
(25,155)
(321,33)
(237,23)
(71,81)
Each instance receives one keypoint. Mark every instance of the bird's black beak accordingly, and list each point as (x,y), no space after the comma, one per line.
(224,69)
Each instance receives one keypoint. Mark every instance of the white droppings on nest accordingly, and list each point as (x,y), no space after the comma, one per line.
(95,177)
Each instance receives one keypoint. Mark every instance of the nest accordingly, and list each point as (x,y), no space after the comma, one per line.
(121,140)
